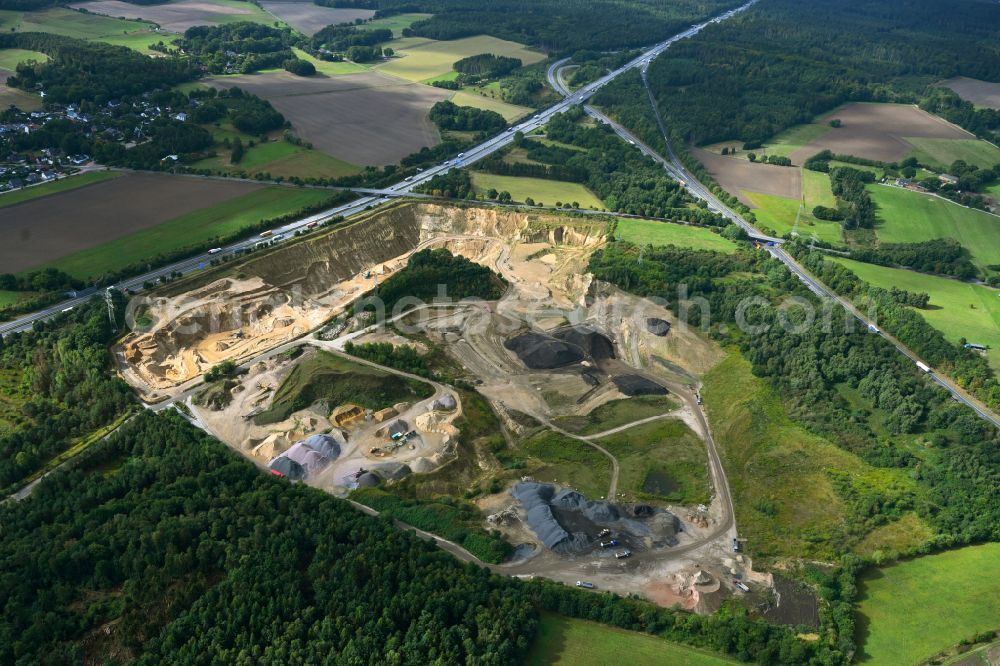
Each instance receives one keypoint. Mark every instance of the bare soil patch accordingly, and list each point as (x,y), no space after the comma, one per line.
(737,175)
(309,19)
(879,132)
(41,230)
(175,16)
(364,119)
(980,93)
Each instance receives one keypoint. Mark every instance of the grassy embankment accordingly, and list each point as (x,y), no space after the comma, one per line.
(912,610)
(56,186)
(566,641)
(957,309)
(191,229)
(543,191)
(326,377)
(276,158)
(616,413)
(555,458)
(786,504)
(652,232)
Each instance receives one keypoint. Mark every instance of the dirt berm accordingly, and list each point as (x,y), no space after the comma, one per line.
(268,299)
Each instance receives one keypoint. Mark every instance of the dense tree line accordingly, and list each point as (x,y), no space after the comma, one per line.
(945,256)
(63,368)
(430,274)
(449,116)
(981,121)
(785,61)
(625,179)
(46,279)
(455,183)
(80,71)
(857,210)
(807,364)
(340,38)
(486,66)
(400,357)
(242,47)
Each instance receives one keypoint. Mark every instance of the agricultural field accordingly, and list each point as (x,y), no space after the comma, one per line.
(957,309)
(363,119)
(179,15)
(739,176)
(780,214)
(943,152)
(280,158)
(886,132)
(137,35)
(980,93)
(196,227)
(395,23)
(12,96)
(652,232)
(786,504)
(784,144)
(419,59)
(944,598)
(911,217)
(56,186)
(40,231)
(543,191)
(309,18)
(566,641)
(510,112)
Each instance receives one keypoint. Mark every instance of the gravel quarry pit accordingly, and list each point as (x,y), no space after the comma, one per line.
(248,307)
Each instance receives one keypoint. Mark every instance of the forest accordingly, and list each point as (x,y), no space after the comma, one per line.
(943,256)
(729,82)
(449,116)
(242,47)
(59,388)
(91,71)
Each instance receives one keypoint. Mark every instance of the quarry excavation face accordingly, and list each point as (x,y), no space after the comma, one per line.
(289,290)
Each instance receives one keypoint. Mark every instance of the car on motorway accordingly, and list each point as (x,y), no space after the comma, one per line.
(312,225)
(408,178)
(278,237)
(586,584)
(215,250)
(461,154)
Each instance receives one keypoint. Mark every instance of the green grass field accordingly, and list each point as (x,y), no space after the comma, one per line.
(62,185)
(395,23)
(191,229)
(541,190)
(566,641)
(910,611)
(330,68)
(137,35)
(942,152)
(779,213)
(569,462)
(280,158)
(420,59)
(510,112)
(617,412)
(642,232)
(957,309)
(786,505)
(10,57)
(662,460)
(911,217)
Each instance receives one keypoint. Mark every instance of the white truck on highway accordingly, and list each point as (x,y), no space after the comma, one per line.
(923,366)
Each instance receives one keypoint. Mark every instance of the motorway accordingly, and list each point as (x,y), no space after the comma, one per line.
(678,172)
(372,198)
